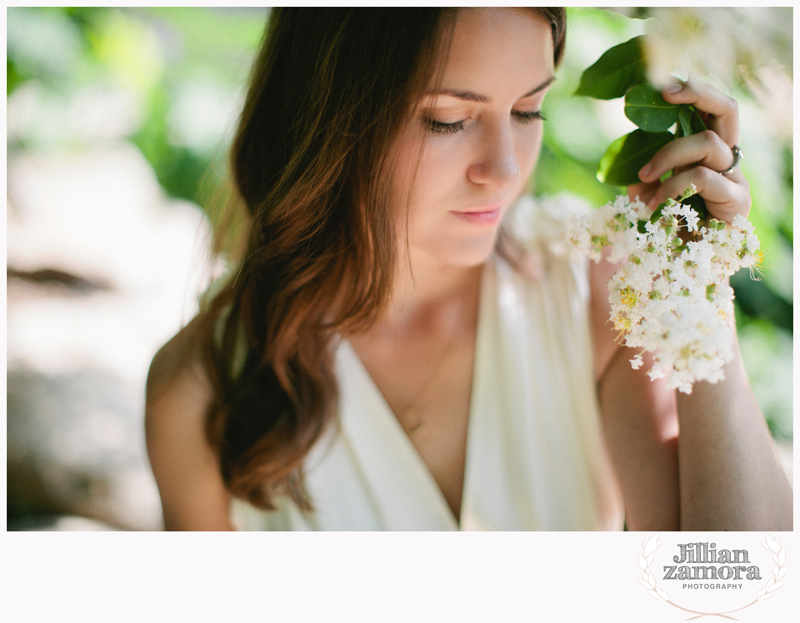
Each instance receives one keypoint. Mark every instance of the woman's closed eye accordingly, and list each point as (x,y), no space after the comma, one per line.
(441,127)
(528,116)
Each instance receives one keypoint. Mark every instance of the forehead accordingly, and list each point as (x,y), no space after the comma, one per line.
(499,46)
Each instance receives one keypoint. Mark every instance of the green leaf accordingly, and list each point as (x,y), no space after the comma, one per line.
(656,215)
(620,164)
(690,121)
(647,109)
(616,71)
(685,120)
(697,122)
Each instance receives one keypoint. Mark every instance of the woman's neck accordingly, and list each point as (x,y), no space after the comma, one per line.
(431,297)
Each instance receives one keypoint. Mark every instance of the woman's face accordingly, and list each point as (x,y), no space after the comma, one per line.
(478,135)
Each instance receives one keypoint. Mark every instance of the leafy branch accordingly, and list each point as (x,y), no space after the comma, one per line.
(622,71)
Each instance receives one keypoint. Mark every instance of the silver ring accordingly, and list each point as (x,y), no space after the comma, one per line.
(737,158)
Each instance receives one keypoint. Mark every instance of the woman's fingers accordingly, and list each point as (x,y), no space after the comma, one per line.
(723,111)
(724,196)
(699,159)
(704,149)
(643,191)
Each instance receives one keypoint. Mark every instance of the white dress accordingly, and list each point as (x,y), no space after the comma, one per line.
(535,456)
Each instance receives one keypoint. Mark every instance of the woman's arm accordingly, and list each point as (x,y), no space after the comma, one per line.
(730,474)
(193,495)
(703,461)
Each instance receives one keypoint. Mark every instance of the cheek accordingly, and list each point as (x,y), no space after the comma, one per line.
(432,173)
(527,150)
(406,167)
(441,167)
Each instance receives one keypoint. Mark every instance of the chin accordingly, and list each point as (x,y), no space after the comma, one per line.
(466,253)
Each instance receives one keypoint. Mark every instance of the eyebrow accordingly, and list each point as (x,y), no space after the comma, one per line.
(474,97)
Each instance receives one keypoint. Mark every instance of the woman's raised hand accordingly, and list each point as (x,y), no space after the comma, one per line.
(700,158)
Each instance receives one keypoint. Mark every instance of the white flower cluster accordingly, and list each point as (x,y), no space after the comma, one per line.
(671,295)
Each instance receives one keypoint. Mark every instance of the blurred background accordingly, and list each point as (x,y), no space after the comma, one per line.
(117,130)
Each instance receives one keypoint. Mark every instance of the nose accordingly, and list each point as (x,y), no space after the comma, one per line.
(496,161)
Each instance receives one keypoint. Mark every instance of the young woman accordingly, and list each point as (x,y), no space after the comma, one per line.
(385,356)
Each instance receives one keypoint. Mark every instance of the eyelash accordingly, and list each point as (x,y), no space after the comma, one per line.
(438,127)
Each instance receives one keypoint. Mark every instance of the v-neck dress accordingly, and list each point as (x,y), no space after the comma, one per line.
(535,456)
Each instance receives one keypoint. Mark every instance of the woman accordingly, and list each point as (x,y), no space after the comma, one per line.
(385,357)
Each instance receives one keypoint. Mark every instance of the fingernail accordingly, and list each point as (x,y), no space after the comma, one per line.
(674,88)
(644,171)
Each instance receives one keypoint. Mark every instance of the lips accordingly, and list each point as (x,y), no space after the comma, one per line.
(488,216)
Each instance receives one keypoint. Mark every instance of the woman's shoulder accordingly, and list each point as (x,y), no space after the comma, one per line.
(178,365)
(186,467)
(537,231)
(541,224)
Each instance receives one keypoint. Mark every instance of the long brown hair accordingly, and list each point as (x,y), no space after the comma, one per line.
(328,93)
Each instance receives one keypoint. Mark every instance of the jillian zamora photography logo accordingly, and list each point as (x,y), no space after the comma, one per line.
(717,577)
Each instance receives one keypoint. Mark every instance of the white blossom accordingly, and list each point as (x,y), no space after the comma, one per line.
(669,297)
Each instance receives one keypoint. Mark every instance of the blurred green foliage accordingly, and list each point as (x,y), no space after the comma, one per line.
(170,62)
(171,80)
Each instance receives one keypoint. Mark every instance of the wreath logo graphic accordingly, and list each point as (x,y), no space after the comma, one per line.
(651,544)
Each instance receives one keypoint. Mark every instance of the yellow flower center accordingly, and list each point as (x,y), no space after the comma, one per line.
(629,296)
(623,325)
